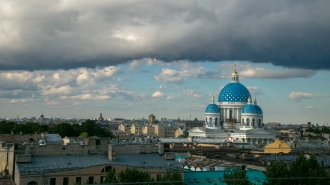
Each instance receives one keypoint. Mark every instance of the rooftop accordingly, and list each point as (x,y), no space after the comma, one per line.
(216,177)
(56,163)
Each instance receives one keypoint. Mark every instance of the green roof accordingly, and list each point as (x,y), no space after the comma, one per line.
(216,177)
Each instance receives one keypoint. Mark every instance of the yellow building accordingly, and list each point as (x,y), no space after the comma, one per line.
(278,146)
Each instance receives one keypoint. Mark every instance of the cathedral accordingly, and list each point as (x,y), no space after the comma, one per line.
(234,117)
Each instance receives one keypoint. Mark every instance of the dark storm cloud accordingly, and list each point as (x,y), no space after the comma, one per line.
(71,34)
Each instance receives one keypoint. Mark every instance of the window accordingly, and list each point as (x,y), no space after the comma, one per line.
(66,181)
(102,179)
(52,181)
(90,180)
(159,177)
(98,142)
(107,168)
(78,180)
(32,183)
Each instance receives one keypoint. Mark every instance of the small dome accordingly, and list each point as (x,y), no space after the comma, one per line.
(234,92)
(251,109)
(212,108)
(259,110)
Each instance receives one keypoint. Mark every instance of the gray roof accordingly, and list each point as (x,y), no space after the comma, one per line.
(54,138)
(174,140)
(57,163)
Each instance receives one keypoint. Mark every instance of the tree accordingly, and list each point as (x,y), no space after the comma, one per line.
(276,170)
(83,135)
(172,176)
(6,127)
(111,177)
(128,175)
(301,171)
(237,178)
(93,129)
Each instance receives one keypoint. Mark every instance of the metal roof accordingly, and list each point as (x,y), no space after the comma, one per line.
(56,163)
(56,138)
(216,177)
(174,140)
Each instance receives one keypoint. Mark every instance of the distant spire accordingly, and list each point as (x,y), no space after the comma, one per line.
(255,100)
(212,99)
(234,75)
(249,99)
(235,68)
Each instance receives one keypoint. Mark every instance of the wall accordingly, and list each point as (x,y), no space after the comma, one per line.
(278,146)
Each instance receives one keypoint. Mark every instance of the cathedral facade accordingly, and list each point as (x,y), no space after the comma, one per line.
(234,116)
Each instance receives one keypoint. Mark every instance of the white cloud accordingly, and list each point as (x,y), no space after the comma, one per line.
(171,97)
(87,97)
(191,94)
(255,90)
(298,96)
(157,94)
(249,71)
(187,70)
(310,108)
(59,91)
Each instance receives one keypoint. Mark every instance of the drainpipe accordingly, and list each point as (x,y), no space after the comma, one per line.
(41,177)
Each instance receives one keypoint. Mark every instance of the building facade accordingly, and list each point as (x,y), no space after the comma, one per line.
(234,116)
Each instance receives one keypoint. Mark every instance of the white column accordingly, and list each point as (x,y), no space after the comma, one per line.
(225,115)
(239,115)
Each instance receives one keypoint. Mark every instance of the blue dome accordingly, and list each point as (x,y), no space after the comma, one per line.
(234,92)
(259,110)
(212,108)
(251,109)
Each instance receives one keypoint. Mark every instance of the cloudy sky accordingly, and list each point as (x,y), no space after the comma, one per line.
(128,59)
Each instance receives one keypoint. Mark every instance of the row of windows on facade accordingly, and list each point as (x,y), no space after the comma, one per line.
(247,122)
(52,181)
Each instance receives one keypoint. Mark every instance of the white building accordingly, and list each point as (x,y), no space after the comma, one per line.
(234,117)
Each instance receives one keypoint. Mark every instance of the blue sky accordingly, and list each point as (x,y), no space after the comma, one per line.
(128,59)
(171,90)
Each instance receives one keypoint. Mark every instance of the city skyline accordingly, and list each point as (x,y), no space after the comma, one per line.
(134,58)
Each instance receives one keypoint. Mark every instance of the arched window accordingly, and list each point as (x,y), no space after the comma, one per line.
(210,121)
(206,120)
(32,183)
(107,169)
(216,121)
(259,123)
(253,122)
(247,122)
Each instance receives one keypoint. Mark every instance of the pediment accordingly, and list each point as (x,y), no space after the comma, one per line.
(197,130)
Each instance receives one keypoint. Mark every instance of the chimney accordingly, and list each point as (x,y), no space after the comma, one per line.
(111,153)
